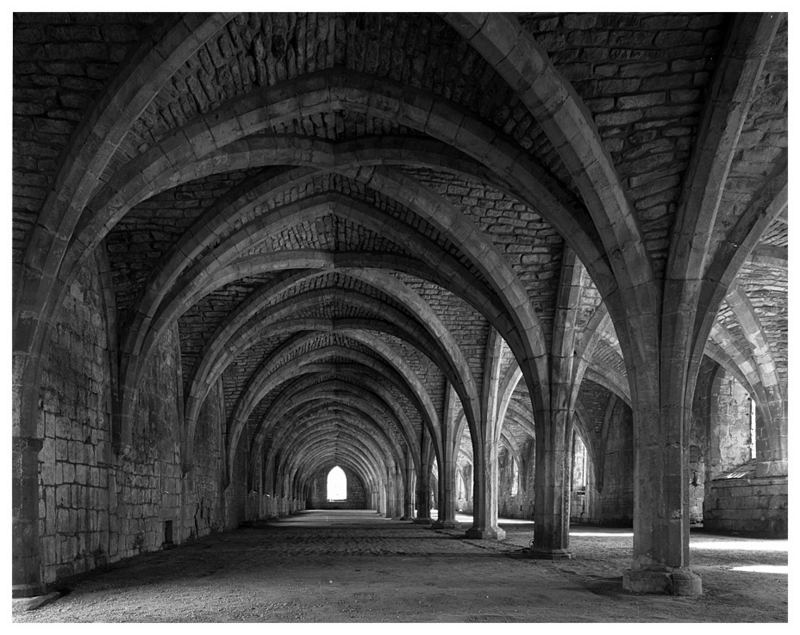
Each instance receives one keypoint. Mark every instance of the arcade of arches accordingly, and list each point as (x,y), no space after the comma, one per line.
(532,265)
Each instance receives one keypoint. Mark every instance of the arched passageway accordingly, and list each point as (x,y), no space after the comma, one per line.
(526,266)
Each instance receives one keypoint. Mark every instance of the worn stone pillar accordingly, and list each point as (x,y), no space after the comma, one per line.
(484,448)
(447,502)
(387,512)
(393,504)
(423,493)
(399,497)
(660,503)
(484,507)
(408,489)
(553,420)
(397,493)
(551,517)
(382,499)
(26,556)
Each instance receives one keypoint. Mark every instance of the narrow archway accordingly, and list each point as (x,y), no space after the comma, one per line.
(337,485)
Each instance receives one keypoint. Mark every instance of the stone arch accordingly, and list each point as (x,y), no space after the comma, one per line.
(513,53)
(244,338)
(383,398)
(38,295)
(334,390)
(297,445)
(262,385)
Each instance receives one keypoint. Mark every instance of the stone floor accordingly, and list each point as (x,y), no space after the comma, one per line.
(358,567)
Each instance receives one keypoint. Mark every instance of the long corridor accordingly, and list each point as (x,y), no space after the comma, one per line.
(355,566)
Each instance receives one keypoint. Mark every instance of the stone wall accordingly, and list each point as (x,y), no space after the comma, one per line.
(609,488)
(518,504)
(148,483)
(729,429)
(748,506)
(205,481)
(236,494)
(720,442)
(698,438)
(356,492)
(76,464)
(98,506)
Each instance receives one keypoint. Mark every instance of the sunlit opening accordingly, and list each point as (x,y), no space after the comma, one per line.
(514,477)
(578,463)
(337,485)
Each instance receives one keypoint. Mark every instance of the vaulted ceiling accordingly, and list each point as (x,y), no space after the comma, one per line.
(337,209)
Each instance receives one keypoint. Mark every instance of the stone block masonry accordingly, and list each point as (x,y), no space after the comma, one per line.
(748,506)
(310,224)
(95,506)
(356,494)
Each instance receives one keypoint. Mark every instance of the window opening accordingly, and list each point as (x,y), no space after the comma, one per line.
(514,477)
(578,464)
(337,485)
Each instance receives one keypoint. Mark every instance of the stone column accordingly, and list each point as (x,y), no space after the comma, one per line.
(423,494)
(661,418)
(553,421)
(408,490)
(26,556)
(484,475)
(484,505)
(382,499)
(399,497)
(551,517)
(660,505)
(447,502)
(389,489)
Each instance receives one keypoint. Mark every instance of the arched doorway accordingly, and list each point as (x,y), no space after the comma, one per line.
(337,485)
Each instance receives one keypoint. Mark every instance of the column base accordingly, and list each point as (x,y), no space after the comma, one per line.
(421,521)
(679,581)
(545,554)
(35,602)
(490,533)
(27,590)
(445,524)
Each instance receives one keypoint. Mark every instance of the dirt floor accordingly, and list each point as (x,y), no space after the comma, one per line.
(358,567)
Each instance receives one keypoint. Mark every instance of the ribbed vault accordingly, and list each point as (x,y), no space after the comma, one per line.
(410,244)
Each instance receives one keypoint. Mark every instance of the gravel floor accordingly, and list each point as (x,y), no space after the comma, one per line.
(359,567)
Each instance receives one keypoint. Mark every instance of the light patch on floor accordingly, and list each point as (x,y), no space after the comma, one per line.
(764,568)
(750,544)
